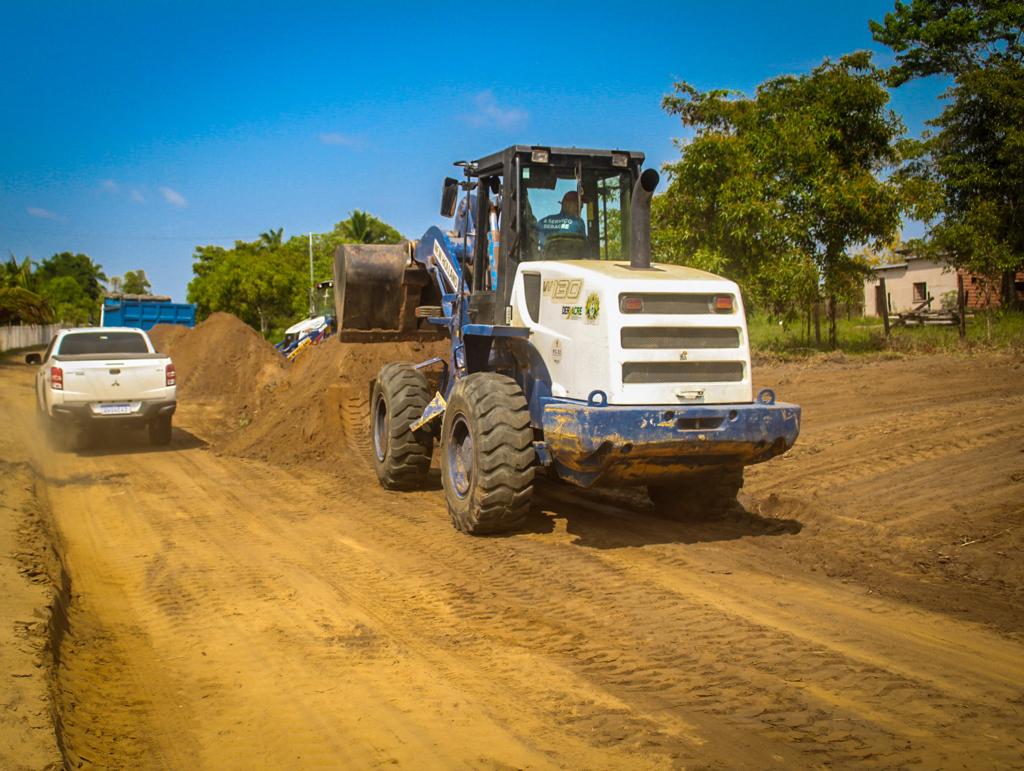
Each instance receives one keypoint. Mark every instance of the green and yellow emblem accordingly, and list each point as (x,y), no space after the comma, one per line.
(593,307)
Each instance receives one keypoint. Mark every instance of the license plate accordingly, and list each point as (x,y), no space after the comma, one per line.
(115,409)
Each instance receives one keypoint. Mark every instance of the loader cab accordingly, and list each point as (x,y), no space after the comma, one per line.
(520,209)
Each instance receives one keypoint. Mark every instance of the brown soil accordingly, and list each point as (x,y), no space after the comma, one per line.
(862,608)
(318,410)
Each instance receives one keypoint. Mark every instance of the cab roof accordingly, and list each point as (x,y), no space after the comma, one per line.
(495,163)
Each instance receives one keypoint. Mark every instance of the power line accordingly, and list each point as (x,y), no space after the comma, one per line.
(35,232)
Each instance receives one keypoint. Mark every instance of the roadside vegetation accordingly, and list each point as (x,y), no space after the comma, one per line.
(997,330)
(266,282)
(795,191)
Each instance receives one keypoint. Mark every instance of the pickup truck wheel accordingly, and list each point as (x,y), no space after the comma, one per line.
(487,456)
(401,457)
(160,432)
(702,495)
(67,437)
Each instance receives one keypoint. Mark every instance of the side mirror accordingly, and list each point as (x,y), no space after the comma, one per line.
(33,358)
(449,195)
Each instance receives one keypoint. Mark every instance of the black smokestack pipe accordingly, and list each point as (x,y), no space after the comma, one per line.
(640,221)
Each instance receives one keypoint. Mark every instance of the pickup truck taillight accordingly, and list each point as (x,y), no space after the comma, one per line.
(56,378)
(171,377)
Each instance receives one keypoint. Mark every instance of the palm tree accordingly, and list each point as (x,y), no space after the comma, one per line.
(19,306)
(271,239)
(17,274)
(358,227)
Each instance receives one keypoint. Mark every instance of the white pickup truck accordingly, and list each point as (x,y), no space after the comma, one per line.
(103,376)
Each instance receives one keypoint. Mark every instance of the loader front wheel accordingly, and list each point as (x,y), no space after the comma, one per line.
(487,457)
(701,495)
(401,457)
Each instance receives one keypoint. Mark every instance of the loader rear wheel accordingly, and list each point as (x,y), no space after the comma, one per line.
(702,495)
(487,457)
(401,457)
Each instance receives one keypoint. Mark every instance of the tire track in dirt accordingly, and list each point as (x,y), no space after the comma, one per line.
(295,618)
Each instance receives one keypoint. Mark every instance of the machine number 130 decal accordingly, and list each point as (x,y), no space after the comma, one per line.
(563,288)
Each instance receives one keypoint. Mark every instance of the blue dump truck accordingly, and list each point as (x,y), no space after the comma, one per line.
(145,311)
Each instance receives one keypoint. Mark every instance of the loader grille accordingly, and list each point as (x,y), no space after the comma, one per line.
(638,372)
(685,338)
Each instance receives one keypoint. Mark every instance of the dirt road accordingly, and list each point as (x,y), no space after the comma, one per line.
(230,613)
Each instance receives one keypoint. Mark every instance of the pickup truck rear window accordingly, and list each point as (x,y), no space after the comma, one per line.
(102,343)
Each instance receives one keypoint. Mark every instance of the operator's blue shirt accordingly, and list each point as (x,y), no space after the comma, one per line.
(559,223)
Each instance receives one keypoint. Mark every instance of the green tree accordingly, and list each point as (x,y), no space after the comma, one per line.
(266,282)
(19,303)
(272,239)
(777,189)
(20,306)
(949,37)
(87,274)
(967,176)
(135,282)
(70,303)
(363,228)
(18,274)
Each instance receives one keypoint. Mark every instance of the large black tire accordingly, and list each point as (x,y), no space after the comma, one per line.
(160,431)
(401,457)
(702,495)
(487,457)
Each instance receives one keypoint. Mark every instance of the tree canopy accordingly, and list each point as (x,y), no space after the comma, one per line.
(266,282)
(135,282)
(776,189)
(967,174)
(949,37)
(87,274)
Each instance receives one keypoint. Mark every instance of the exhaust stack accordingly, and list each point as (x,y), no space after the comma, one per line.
(640,221)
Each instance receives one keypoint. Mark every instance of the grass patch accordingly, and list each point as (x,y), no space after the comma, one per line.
(990,331)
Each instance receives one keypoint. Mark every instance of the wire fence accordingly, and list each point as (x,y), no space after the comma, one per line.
(26,335)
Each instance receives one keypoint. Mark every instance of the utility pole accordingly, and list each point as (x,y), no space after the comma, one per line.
(312,297)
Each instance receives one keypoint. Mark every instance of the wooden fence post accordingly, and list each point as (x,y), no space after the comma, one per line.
(885,304)
(961,305)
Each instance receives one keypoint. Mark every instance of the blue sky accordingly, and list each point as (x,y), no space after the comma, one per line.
(135,131)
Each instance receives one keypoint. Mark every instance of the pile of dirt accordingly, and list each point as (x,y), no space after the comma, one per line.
(166,336)
(319,410)
(222,363)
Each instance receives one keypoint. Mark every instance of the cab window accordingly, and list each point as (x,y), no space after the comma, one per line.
(574,212)
(103,343)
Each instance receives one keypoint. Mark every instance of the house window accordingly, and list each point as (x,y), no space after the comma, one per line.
(920,292)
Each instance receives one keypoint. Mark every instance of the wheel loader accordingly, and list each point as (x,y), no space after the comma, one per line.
(571,354)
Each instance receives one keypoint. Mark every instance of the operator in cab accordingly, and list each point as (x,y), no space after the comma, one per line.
(566,222)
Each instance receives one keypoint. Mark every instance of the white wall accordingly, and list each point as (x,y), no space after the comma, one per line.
(26,335)
(938,277)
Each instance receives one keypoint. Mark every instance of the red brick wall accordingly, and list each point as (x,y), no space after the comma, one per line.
(982,294)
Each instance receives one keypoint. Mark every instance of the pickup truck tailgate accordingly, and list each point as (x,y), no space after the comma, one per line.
(129,379)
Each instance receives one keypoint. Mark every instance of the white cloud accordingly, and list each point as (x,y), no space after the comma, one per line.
(334,138)
(173,197)
(136,196)
(108,185)
(490,114)
(43,214)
